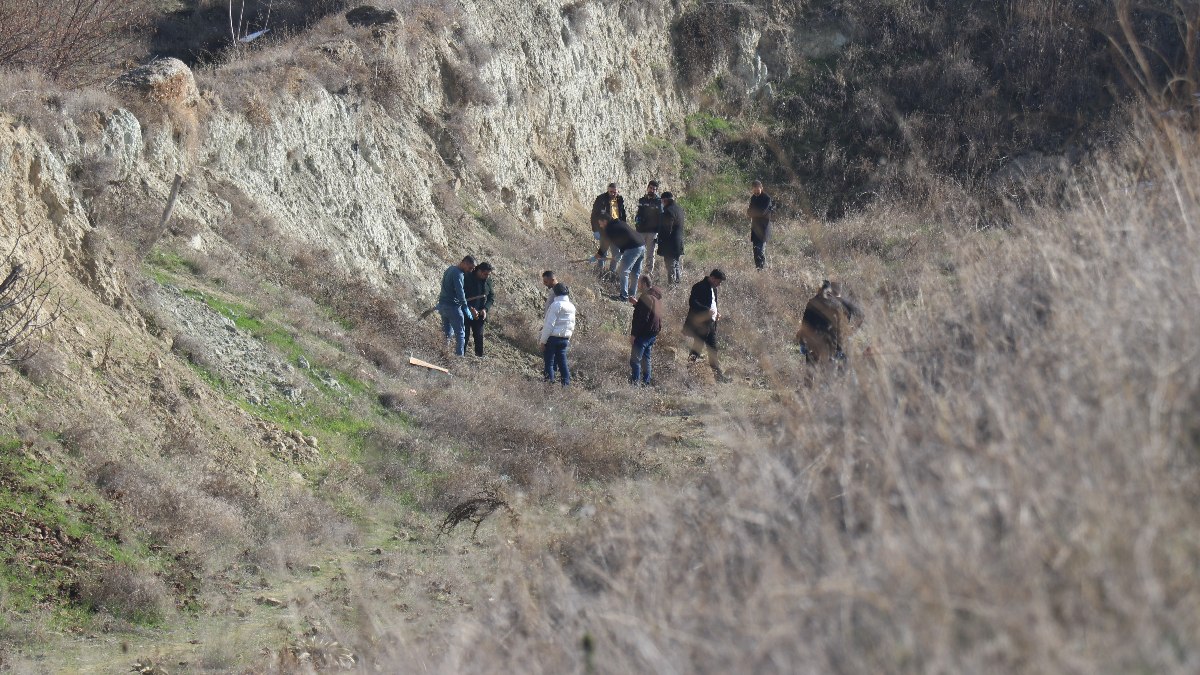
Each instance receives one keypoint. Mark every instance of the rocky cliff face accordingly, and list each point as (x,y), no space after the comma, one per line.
(529,107)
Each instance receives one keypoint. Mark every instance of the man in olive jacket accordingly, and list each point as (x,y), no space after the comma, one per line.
(670,237)
(475,284)
(608,206)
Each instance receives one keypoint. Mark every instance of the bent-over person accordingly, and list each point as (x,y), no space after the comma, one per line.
(828,321)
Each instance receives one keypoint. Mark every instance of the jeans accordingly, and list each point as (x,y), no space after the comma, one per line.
(475,330)
(639,359)
(650,239)
(760,253)
(454,327)
(759,233)
(674,269)
(555,358)
(631,261)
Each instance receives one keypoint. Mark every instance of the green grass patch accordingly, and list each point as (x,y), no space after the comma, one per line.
(707,125)
(43,511)
(707,194)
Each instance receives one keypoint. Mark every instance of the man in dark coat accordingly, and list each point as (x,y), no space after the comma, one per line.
(646,221)
(607,206)
(760,210)
(476,284)
(670,238)
(647,322)
(702,318)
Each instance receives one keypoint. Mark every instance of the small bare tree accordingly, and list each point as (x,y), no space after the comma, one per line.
(69,39)
(27,303)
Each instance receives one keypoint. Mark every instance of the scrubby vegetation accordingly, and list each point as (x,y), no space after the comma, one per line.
(234,465)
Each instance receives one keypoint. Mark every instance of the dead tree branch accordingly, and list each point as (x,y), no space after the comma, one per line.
(28,303)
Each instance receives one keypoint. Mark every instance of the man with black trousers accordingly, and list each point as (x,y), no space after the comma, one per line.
(607,206)
(760,210)
(646,221)
(670,238)
(702,318)
(478,285)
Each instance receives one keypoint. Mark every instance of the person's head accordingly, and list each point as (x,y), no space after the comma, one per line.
(560,289)
(467,264)
(756,187)
(483,270)
(715,277)
(612,189)
(652,187)
(668,197)
(548,279)
(645,283)
(828,289)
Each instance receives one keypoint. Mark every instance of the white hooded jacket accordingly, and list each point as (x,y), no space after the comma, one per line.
(560,319)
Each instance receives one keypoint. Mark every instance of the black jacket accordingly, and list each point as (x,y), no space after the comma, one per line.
(473,286)
(670,234)
(760,209)
(647,314)
(602,213)
(649,214)
(619,234)
(699,321)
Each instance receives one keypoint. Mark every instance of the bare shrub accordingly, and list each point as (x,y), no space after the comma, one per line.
(28,302)
(195,350)
(43,365)
(76,40)
(128,592)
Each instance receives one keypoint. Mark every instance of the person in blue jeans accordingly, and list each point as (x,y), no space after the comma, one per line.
(647,322)
(556,334)
(632,253)
(452,305)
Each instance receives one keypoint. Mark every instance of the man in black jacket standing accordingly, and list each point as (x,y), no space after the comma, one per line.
(478,284)
(670,238)
(760,210)
(702,318)
(646,221)
(608,206)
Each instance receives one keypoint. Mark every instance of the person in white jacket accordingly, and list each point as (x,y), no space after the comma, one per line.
(556,334)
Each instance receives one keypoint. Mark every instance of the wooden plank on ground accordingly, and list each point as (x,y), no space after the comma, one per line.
(414,361)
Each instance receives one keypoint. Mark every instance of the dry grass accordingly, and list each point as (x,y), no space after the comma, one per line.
(1007,485)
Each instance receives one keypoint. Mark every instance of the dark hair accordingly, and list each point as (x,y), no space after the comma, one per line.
(612,185)
(561,289)
(485,266)
(653,182)
(646,278)
(668,196)
(548,274)
(757,183)
(717,274)
(469,259)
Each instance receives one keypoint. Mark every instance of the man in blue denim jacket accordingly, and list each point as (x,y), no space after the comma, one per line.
(452,304)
